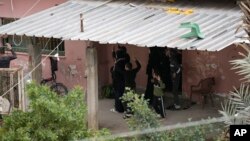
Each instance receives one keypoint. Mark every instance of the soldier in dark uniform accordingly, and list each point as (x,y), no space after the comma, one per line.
(175,68)
(124,54)
(164,69)
(155,62)
(5,59)
(121,58)
(152,60)
(130,75)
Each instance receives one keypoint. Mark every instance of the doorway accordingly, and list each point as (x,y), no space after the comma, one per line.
(159,59)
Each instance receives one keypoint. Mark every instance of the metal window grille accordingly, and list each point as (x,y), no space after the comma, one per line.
(12,90)
(51,43)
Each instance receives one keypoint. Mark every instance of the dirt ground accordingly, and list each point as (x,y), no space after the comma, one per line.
(116,123)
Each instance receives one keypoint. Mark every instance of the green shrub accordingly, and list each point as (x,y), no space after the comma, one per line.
(194,133)
(236,109)
(144,118)
(50,118)
(107,91)
(2,131)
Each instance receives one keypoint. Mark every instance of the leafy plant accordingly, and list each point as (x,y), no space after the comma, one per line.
(236,109)
(143,117)
(197,133)
(2,131)
(107,91)
(49,117)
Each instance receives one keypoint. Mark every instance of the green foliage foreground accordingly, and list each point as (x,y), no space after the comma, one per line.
(145,118)
(50,118)
(53,118)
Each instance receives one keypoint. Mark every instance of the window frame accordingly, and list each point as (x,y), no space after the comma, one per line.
(42,41)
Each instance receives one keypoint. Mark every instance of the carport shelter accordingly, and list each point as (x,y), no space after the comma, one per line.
(143,24)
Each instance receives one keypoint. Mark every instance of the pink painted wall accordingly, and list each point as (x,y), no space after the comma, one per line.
(74,55)
(103,67)
(75,52)
(196,65)
(141,53)
(106,62)
(201,64)
(20,7)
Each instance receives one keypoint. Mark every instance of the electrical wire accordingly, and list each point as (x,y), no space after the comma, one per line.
(12,10)
(13,14)
(30,8)
(14,41)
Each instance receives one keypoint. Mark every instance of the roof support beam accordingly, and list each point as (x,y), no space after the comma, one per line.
(1,43)
(92,86)
(35,56)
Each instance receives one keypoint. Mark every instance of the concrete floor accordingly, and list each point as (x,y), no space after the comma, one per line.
(116,124)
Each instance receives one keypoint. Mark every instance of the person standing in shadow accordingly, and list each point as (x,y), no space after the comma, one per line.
(154,63)
(159,87)
(121,58)
(175,68)
(149,72)
(5,59)
(130,75)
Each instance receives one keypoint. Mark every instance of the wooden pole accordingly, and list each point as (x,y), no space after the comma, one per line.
(35,55)
(92,87)
(12,97)
(1,43)
(12,70)
(81,22)
(23,93)
(19,90)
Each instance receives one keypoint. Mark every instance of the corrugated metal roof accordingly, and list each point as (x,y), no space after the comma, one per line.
(132,23)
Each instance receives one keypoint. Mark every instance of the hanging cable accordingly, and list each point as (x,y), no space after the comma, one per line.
(12,10)
(15,43)
(30,8)
(13,14)
(57,55)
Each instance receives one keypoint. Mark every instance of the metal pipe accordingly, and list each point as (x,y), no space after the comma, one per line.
(81,21)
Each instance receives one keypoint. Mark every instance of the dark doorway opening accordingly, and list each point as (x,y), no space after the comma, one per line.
(159,59)
(179,58)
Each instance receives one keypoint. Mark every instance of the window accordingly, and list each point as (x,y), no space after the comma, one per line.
(47,44)
(52,43)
